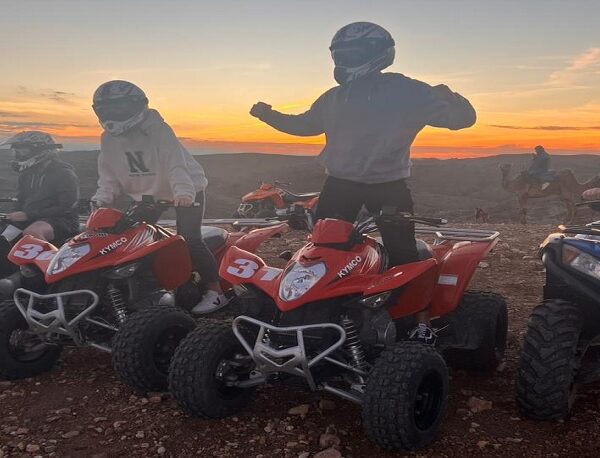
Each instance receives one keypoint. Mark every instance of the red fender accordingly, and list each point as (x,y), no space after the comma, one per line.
(240,266)
(30,250)
(253,239)
(456,270)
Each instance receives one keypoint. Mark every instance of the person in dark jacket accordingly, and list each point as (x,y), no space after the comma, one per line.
(539,169)
(48,190)
(370,122)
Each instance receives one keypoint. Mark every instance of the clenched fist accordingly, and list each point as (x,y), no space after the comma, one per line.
(183,201)
(260,109)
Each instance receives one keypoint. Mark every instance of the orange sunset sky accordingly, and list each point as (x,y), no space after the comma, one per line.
(531,69)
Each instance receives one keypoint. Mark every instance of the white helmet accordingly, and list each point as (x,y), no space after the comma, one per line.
(361,48)
(119,105)
(30,148)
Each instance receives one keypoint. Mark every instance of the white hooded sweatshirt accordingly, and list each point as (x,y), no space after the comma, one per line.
(147,160)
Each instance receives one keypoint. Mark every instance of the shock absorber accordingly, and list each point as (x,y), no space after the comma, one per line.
(115,299)
(353,345)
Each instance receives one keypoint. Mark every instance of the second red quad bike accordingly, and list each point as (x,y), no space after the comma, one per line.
(337,317)
(114,287)
(273,200)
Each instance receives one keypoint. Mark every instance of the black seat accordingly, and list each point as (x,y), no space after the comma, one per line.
(214,237)
(290,197)
(424,250)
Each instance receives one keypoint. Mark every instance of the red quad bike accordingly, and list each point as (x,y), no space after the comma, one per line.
(272,200)
(337,317)
(113,287)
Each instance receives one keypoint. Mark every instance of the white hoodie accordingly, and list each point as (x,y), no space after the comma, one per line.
(147,160)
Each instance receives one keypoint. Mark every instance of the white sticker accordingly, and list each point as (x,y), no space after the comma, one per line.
(450,280)
(245,268)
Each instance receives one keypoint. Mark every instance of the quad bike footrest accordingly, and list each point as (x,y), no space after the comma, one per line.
(53,319)
(291,359)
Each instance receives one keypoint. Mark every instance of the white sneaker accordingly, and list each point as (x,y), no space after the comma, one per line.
(211,302)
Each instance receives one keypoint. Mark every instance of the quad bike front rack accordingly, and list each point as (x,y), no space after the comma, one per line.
(458,235)
(56,321)
(237,222)
(292,360)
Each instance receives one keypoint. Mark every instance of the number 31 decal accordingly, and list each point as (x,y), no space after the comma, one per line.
(245,268)
(33,251)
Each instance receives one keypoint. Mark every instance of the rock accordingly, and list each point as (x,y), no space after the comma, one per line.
(99,419)
(301,410)
(291,445)
(501,367)
(482,444)
(70,434)
(326,404)
(328,440)
(328,453)
(32,448)
(140,435)
(304,455)
(269,428)
(161,450)
(21,431)
(484,265)
(154,397)
(477,405)
(118,424)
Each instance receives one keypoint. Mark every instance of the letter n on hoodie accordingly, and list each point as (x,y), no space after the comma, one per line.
(136,162)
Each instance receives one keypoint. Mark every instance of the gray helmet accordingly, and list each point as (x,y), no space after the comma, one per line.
(30,148)
(361,48)
(119,105)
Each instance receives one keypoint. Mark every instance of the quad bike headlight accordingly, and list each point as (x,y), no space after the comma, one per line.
(299,279)
(581,261)
(66,257)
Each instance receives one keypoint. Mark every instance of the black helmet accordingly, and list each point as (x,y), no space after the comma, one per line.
(361,48)
(119,105)
(30,148)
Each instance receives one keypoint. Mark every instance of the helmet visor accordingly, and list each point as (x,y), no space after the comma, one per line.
(351,57)
(119,109)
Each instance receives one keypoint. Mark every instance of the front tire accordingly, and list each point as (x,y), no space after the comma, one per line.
(145,343)
(194,380)
(406,397)
(16,362)
(488,312)
(546,386)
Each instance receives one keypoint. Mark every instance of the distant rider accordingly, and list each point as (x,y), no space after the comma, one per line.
(48,190)
(140,155)
(539,169)
(370,122)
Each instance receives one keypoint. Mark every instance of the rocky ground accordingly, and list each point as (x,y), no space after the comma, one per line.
(82,410)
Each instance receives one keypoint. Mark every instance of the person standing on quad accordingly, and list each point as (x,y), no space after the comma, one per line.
(140,155)
(539,169)
(370,121)
(48,189)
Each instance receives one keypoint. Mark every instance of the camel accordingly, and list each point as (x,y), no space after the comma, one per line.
(565,186)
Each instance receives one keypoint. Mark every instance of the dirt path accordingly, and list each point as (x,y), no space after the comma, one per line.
(82,410)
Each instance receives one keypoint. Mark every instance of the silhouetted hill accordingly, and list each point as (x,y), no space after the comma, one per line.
(450,188)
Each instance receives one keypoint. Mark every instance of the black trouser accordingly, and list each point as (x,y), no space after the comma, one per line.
(343,199)
(189,225)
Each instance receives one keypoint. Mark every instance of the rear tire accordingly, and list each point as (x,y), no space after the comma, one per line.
(488,312)
(192,378)
(145,343)
(406,397)
(14,362)
(546,386)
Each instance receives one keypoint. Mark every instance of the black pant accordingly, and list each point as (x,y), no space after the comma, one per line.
(189,225)
(343,199)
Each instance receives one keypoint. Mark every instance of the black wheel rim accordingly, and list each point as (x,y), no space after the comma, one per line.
(25,346)
(165,347)
(428,400)
(232,366)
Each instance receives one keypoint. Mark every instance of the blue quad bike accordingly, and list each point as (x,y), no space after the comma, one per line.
(561,350)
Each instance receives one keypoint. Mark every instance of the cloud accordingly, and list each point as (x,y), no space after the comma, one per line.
(551,128)
(33,125)
(48,94)
(582,67)
(12,114)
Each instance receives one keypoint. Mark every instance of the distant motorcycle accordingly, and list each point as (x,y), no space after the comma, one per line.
(272,200)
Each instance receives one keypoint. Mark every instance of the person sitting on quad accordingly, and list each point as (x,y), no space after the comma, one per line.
(370,121)
(539,170)
(140,155)
(48,188)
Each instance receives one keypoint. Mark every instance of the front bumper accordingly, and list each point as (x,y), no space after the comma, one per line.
(54,318)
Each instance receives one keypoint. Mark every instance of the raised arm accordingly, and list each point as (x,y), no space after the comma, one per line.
(448,109)
(305,124)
